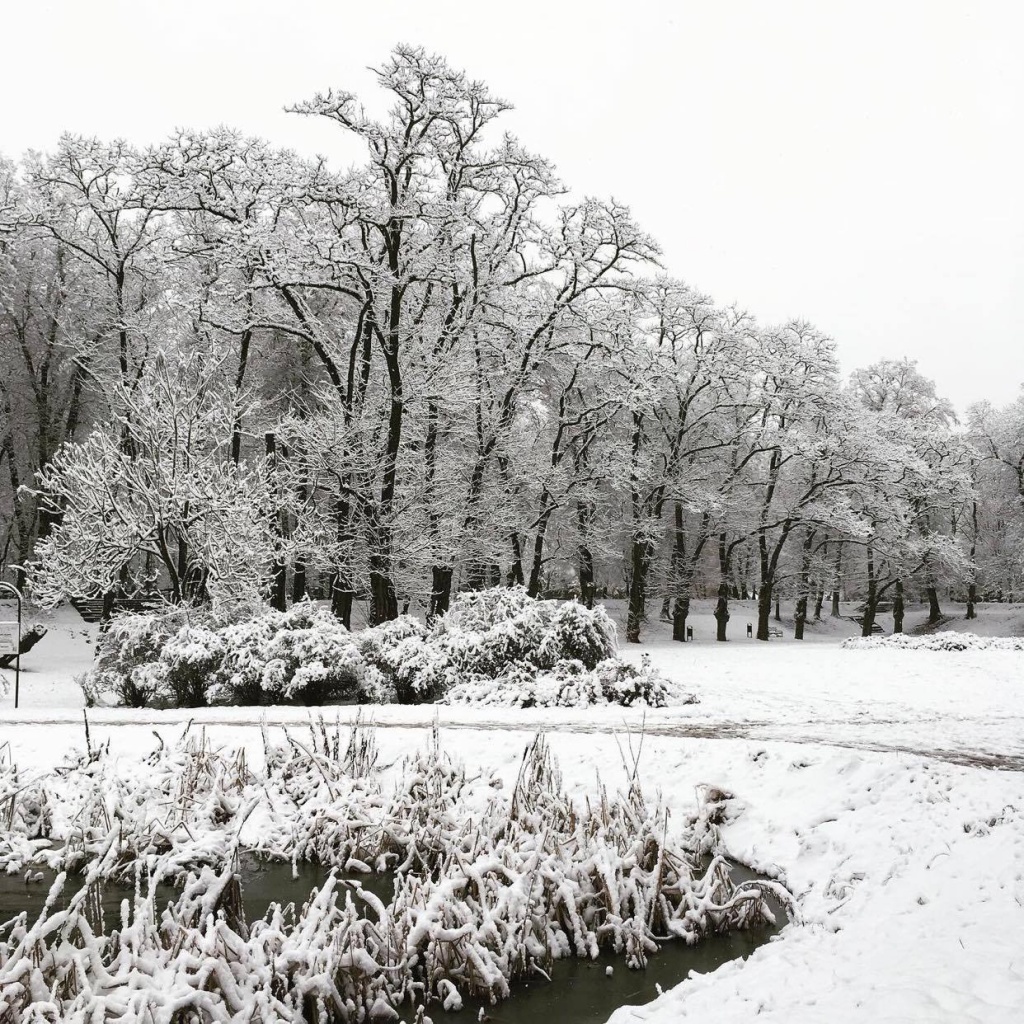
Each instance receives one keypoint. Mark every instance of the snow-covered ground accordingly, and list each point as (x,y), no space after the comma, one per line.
(885,788)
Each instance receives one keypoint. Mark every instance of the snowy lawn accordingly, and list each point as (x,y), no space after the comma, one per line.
(885,788)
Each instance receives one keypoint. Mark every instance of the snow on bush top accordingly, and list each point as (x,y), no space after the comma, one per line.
(948,641)
(512,626)
(503,647)
(495,646)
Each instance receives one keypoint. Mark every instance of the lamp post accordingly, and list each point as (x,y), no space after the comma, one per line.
(11,589)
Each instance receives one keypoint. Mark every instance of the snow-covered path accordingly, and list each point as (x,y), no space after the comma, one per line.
(884,788)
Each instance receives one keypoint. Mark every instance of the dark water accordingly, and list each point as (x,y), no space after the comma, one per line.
(263,883)
(580,992)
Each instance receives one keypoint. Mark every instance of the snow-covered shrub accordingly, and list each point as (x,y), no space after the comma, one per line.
(623,683)
(569,683)
(578,633)
(945,641)
(184,657)
(303,654)
(540,651)
(396,664)
(127,655)
(189,660)
(496,646)
(514,627)
(474,611)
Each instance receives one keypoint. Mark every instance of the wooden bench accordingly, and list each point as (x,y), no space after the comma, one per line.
(91,608)
(875,627)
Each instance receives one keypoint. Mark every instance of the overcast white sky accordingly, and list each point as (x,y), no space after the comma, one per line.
(859,164)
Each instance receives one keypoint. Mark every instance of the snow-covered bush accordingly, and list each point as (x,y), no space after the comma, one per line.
(397,662)
(570,684)
(127,656)
(501,646)
(304,654)
(945,641)
(184,657)
(478,610)
(496,646)
(512,626)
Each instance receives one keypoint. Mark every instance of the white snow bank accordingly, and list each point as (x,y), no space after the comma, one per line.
(947,641)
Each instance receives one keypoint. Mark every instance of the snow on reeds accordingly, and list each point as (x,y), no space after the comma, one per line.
(490,886)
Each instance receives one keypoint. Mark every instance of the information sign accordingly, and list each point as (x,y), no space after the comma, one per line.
(10,638)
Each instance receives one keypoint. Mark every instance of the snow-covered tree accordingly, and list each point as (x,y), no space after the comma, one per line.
(153,493)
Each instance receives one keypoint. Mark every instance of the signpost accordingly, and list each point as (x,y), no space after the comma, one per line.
(10,637)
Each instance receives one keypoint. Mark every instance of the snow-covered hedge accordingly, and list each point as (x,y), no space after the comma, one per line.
(570,684)
(945,641)
(494,647)
(500,646)
(127,657)
(304,654)
(182,656)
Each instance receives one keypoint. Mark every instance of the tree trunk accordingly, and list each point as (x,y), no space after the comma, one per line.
(383,599)
(108,606)
(298,581)
(800,617)
(764,609)
(547,509)
(340,585)
(722,605)
(800,614)
(722,611)
(585,557)
(680,611)
(838,580)
(279,587)
(898,608)
(586,573)
(972,588)
(868,621)
(341,602)
(640,561)
(819,600)
(299,568)
(278,578)
(181,568)
(871,604)
(934,611)
(778,613)
(440,591)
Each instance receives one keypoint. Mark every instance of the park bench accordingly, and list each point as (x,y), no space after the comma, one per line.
(875,627)
(91,608)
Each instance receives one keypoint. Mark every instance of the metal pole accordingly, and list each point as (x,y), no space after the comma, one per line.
(13,590)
